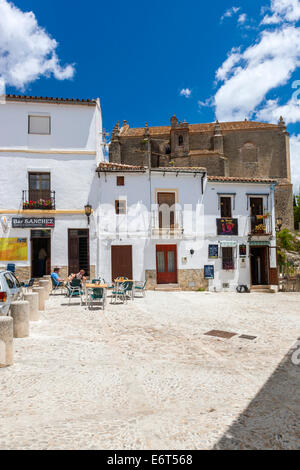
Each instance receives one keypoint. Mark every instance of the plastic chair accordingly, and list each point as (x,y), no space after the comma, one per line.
(96,294)
(74,289)
(128,287)
(140,287)
(119,292)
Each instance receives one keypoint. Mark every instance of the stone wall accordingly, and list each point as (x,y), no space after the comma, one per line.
(284,204)
(192,279)
(188,279)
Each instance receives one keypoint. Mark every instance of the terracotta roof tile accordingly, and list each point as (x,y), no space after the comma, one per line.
(228,179)
(126,131)
(46,99)
(108,166)
(181,169)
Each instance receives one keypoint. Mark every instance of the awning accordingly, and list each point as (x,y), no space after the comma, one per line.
(229,244)
(259,243)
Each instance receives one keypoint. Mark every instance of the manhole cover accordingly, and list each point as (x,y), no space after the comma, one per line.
(251,338)
(220,334)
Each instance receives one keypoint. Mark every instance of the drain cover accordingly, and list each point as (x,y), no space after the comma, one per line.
(251,338)
(220,334)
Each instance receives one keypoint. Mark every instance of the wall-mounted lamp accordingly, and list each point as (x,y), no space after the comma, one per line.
(88,212)
(279,223)
(192,252)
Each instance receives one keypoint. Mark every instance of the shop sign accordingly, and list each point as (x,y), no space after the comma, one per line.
(33,222)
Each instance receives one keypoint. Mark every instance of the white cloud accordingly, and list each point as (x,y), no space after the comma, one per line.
(186,92)
(242,18)
(283,10)
(250,75)
(27,52)
(230,12)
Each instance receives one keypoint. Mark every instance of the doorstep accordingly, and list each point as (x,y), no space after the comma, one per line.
(167,287)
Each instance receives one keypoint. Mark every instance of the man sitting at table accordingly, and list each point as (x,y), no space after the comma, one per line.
(56,279)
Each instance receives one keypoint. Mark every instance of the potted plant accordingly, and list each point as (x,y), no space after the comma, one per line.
(260,229)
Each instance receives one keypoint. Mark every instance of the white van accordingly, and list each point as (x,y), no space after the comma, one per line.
(10,290)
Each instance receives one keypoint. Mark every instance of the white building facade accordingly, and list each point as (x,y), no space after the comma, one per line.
(49,151)
(177,227)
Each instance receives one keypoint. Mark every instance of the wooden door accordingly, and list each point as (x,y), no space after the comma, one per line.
(78,248)
(166,264)
(166,216)
(121,261)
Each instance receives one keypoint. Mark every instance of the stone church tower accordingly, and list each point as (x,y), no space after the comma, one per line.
(241,149)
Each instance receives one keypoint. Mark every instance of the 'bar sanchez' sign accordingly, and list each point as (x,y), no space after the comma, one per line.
(33,222)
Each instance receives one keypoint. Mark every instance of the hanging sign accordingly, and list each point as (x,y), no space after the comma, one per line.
(33,222)
(227,227)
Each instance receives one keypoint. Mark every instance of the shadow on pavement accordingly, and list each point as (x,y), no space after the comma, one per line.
(271,421)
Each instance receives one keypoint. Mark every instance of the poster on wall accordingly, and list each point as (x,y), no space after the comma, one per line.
(227,227)
(209,272)
(213,251)
(13,249)
(243,251)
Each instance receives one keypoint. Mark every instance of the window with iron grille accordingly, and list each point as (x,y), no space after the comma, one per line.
(227,258)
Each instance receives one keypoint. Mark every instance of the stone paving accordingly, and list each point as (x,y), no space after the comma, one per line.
(145,376)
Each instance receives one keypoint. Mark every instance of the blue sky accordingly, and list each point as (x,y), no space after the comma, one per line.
(230,59)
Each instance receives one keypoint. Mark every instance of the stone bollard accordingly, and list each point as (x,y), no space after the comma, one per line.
(45,284)
(50,282)
(33,300)
(41,292)
(6,342)
(19,312)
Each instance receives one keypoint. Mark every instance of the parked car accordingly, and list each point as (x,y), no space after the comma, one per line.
(10,289)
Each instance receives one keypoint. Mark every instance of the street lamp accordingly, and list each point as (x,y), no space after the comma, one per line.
(279,223)
(88,212)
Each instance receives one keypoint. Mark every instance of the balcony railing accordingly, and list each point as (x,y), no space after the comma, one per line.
(38,199)
(260,225)
(167,223)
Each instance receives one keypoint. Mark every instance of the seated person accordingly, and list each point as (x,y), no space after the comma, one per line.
(81,276)
(56,279)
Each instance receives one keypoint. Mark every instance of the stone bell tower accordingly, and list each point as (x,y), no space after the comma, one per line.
(179,138)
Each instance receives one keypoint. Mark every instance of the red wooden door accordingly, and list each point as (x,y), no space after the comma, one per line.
(121,261)
(166,264)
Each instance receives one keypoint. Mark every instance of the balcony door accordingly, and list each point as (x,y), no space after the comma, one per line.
(166,201)
(166,264)
(39,186)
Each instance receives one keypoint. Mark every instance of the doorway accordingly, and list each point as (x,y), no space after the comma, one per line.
(121,261)
(166,264)
(259,256)
(40,253)
(79,253)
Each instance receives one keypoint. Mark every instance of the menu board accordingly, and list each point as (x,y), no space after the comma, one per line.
(243,251)
(213,251)
(209,272)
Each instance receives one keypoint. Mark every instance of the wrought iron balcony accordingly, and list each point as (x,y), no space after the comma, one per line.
(169,223)
(260,225)
(38,199)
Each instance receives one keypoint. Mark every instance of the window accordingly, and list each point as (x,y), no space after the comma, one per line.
(39,181)
(227,258)
(225,203)
(120,206)
(39,125)
(120,181)
(180,140)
